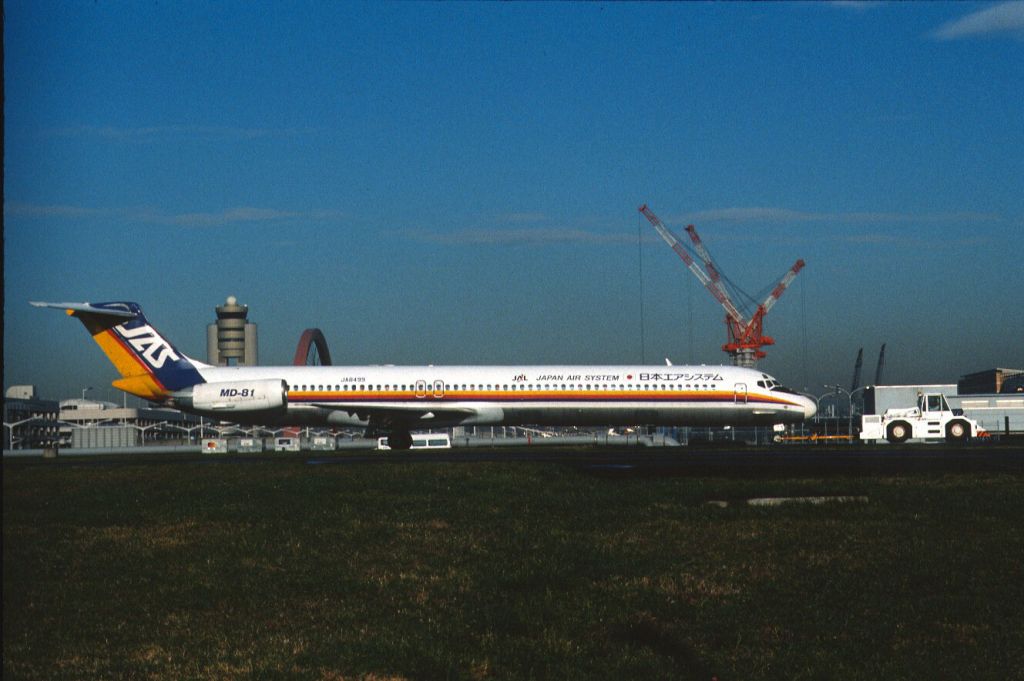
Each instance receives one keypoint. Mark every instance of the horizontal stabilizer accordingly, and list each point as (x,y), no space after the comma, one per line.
(72,308)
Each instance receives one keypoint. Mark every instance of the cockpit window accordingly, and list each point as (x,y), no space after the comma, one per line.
(772,384)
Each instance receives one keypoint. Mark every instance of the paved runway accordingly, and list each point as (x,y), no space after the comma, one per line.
(731,462)
(623,462)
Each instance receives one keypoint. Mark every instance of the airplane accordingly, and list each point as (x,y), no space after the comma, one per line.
(394,400)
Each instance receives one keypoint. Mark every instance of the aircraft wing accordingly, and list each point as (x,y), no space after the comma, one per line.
(411,415)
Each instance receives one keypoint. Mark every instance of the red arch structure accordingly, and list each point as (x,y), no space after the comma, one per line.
(312,339)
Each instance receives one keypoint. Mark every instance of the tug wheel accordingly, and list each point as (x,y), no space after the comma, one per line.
(957,431)
(898,432)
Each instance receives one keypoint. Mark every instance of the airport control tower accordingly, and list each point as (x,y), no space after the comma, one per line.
(231,341)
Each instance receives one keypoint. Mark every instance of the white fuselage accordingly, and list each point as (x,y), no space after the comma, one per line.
(395,400)
(425,396)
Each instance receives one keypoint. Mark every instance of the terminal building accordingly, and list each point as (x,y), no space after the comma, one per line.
(993,381)
(34,423)
(93,423)
(29,422)
(231,340)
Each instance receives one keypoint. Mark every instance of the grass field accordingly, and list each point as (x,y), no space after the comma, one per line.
(503,571)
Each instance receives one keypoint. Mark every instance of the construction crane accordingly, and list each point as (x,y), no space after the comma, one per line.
(856,370)
(881,365)
(745,335)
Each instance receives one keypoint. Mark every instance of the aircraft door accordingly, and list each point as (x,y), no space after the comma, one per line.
(421,388)
(438,389)
(740,393)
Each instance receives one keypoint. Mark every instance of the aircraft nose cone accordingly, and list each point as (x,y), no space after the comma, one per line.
(810,408)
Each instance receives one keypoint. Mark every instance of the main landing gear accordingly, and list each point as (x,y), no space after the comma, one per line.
(400,439)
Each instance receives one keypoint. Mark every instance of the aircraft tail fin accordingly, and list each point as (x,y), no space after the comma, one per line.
(150,367)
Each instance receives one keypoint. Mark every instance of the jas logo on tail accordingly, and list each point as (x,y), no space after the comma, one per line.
(148,343)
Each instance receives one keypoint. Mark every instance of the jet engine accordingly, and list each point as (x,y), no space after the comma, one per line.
(234,396)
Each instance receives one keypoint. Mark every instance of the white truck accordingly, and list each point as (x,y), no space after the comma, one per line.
(422,441)
(930,419)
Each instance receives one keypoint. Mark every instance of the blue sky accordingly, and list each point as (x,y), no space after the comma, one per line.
(458,183)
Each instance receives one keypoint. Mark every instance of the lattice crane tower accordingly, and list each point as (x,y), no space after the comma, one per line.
(746,334)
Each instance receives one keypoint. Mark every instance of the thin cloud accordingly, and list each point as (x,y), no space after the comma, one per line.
(518,236)
(227,217)
(146,133)
(30,210)
(857,5)
(1004,18)
(519,218)
(244,215)
(788,215)
(231,216)
(872,238)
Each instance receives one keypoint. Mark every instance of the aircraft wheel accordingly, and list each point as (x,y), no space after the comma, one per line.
(898,432)
(957,431)
(400,440)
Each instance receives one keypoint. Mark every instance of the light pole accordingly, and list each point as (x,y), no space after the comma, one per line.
(849,409)
(85,390)
(12,426)
(833,407)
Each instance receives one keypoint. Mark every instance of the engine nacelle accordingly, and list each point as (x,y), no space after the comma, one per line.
(235,396)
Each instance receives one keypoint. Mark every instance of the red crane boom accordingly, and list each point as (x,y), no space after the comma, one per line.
(746,336)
